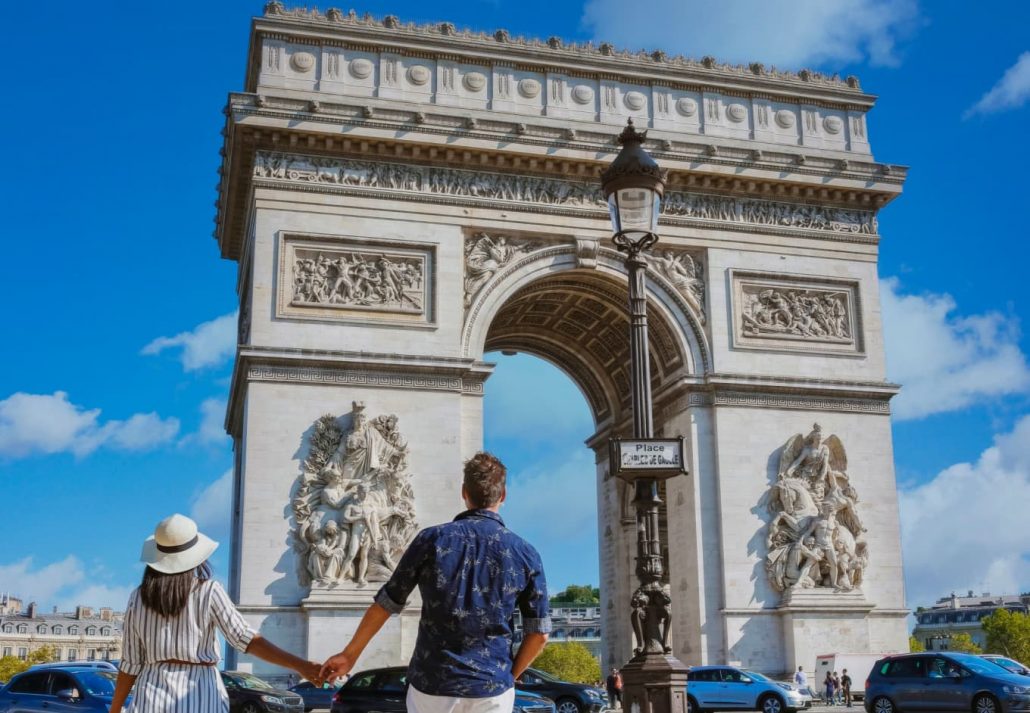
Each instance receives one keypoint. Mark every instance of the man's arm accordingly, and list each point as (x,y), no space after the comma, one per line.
(343,662)
(531,646)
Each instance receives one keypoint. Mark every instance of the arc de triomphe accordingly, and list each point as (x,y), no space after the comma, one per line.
(401,199)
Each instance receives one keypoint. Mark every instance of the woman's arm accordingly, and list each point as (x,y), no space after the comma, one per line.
(267,651)
(121,691)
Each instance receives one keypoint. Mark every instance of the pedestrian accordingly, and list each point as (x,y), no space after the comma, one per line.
(836,688)
(169,651)
(800,679)
(614,685)
(472,573)
(828,687)
(845,684)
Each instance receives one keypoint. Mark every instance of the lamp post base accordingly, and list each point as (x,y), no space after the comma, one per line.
(654,683)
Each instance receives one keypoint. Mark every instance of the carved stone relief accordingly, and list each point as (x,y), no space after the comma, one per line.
(485,255)
(815,539)
(686,273)
(796,313)
(353,506)
(422,180)
(353,277)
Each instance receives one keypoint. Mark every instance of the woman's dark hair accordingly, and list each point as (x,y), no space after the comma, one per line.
(166,594)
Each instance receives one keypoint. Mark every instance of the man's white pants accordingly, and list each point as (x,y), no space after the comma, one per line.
(419,702)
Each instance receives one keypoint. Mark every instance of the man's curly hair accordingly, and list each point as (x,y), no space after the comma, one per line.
(484,479)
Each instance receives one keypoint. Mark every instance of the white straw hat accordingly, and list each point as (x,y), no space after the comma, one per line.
(177,546)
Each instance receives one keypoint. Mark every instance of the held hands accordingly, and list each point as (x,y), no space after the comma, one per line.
(337,666)
(311,671)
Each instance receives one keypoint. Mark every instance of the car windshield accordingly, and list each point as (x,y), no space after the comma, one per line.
(253,682)
(98,683)
(756,676)
(979,665)
(1007,664)
(546,676)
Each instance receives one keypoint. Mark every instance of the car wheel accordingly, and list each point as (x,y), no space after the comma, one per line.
(567,705)
(771,704)
(882,704)
(250,707)
(985,703)
(692,705)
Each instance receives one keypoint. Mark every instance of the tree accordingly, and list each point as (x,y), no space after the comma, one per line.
(12,665)
(915,645)
(963,644)
(1008,633)
(579,594)
(569,661)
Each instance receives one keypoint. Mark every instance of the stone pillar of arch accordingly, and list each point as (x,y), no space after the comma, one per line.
(400,200)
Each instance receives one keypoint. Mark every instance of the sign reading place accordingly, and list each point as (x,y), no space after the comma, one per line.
(648,457)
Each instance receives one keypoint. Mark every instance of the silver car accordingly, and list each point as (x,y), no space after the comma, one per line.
(725,688)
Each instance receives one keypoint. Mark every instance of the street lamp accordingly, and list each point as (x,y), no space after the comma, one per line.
(653,680)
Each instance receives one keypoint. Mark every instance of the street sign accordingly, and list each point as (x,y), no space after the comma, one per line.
(647,457)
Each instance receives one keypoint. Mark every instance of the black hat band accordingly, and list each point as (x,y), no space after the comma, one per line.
(172,549)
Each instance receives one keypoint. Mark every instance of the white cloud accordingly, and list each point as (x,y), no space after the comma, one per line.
(986,547)
(64,584)
(1011,91)
(212,507)
(946,362)
(212,424)
(208,344)
(49,423)
(784,33)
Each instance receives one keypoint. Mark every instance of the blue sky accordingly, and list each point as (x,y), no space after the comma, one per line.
(118,329)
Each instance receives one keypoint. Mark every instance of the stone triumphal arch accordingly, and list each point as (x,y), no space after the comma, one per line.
(401,199)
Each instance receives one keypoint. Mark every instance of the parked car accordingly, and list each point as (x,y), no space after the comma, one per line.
(1008,664)
(568,697)
(315,696)
(726,688)
(59,688)
(250,694)
(384,690)
(941,681)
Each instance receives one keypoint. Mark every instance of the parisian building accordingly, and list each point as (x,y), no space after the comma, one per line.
(86,634)
(955,614)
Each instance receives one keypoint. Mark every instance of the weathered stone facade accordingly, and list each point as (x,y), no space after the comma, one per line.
(402,199)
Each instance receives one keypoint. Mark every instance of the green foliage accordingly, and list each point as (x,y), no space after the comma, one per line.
(578,594)
(1008,633)
(11,666)
(963,644)
(915,645)
(569,661)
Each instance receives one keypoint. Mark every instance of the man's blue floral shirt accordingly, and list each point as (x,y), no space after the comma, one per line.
(471,573)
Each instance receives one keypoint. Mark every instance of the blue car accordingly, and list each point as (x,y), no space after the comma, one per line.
(59,690)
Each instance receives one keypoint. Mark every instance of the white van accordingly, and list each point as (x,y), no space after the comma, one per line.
(858,666)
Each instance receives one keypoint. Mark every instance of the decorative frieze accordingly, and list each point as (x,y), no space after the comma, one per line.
(796,313)
(357,377)
(340,278)
(480,186)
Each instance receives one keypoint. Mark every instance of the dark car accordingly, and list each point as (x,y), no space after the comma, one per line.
(1010,665)
(59,690)
(942,681)
(315,696)
(250,694)
(384,690)
(568,697)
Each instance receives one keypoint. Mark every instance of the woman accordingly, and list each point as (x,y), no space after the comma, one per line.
(169,650)
(828,685)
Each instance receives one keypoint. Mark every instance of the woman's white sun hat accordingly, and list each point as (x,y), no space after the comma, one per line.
(177,546)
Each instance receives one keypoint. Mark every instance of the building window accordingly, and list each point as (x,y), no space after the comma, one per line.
(73,654)
(23,629)
(23,653)
(41,629)
(106,655)
(7,651)
(91,631)
(73,630)
(8,628)
(91,654)
(106,631)
(58,629)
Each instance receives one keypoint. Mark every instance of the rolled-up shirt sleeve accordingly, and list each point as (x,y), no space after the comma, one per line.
(234,627)
(533,603)
(393,596)
(132,661)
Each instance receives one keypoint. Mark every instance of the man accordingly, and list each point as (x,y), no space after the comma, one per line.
(800,679)
(471,573)
(614,685)
(845,684)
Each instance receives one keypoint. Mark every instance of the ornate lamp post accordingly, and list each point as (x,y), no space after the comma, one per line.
(654,681)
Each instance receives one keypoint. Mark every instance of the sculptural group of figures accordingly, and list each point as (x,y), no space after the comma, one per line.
(357,279)
(685,273)
(551,191)
(485,255)
(815,538)
(354,506)
(804,313)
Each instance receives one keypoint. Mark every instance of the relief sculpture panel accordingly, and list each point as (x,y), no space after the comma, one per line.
(353,504)
(796,313)
(343,278)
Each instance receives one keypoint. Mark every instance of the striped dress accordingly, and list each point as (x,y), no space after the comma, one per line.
(149,638)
